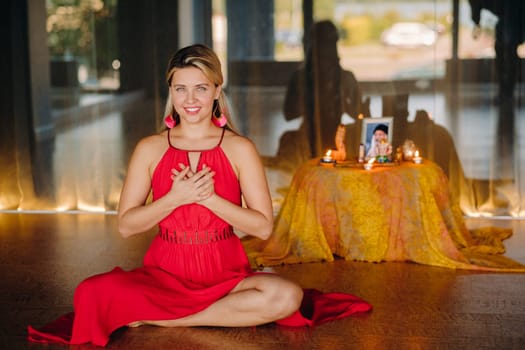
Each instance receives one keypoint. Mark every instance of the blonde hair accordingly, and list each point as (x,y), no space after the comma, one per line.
(205,59)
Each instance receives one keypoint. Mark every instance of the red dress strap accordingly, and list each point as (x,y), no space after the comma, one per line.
(197,150)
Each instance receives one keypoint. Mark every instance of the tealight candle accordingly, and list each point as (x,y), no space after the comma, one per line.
(417,159)
(369,165)
(327,158)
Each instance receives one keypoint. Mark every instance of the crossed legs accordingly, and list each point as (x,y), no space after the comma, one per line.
(256,300)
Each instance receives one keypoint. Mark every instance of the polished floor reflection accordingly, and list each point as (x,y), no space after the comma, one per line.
(44,256)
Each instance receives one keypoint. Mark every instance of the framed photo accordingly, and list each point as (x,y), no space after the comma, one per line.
(371,124)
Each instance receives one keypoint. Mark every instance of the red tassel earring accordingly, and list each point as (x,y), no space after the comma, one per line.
(169,121)
(220,121)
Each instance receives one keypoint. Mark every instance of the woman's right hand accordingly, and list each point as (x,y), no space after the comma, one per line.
(189,187)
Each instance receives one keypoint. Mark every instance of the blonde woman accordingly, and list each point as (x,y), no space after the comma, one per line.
(195,272)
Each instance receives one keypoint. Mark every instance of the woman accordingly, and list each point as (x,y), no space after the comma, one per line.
(195,271)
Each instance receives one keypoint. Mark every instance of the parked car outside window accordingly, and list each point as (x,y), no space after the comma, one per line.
(409,34)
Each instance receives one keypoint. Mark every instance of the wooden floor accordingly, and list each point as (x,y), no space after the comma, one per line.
(44,256)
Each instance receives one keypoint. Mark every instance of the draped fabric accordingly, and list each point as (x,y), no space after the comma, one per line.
(392,213)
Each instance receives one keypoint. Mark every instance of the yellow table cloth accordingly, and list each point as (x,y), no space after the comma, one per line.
(390,213)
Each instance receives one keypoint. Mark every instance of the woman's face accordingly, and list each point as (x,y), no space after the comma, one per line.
(192,94)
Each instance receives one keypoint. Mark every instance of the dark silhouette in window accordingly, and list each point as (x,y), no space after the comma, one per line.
(320,91)
(510,33)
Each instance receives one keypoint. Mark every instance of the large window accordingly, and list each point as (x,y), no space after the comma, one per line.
(82,35)
(416,61)
(389,40)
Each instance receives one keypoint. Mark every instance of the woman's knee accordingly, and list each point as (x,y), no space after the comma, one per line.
(91,286)
(293,296)
(284,299)
(85,290)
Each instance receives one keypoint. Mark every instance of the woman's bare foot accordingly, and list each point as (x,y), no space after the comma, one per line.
(135,324)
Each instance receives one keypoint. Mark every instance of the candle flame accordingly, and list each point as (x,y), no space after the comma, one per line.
(371,160)
(417,154)
(328,153)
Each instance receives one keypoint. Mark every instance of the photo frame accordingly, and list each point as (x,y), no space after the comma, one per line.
(368,126)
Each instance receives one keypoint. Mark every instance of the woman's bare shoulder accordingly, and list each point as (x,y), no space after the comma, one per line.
(241,151)
(151,148)
(236,143)
(152,142)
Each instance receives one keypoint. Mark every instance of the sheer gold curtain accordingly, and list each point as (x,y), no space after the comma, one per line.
(448,103)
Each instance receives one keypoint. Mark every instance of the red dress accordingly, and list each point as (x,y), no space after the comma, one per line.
(193,261)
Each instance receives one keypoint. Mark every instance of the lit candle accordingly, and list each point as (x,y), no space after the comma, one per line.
(327,157)
(368,165)
(417,159)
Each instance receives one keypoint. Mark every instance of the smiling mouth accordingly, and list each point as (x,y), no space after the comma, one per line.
(192,109)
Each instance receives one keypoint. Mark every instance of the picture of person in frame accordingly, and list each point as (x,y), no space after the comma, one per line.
(377,136)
